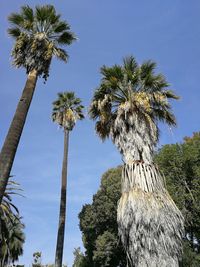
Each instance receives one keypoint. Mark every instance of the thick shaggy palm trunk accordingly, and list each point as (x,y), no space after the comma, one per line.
(150,225)
(134,136)
(62,215)
(9,148)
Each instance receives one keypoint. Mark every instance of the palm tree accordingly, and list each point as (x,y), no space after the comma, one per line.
(67,109)
(12,243)
(11,234)
(128,105)
(39,35)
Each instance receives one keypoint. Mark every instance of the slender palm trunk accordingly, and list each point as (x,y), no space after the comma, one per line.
(62,215)
(9,148)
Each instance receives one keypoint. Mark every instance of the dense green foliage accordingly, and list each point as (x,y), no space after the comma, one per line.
(11,228)
(12,239)
(98,221)
(99,225)
(79,259)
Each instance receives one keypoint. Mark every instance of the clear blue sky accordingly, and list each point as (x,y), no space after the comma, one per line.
(165,31)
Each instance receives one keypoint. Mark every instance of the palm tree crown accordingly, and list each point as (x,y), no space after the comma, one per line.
(39,34)
(128,104)
(67,109)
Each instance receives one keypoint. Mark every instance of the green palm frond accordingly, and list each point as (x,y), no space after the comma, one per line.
(12,240)
(60,54)
(28,14)
(165,116)
(66,38)
(111,75)
(11,235)
(7,207)
(171,94)
(14,32)
(130,64)
(16,19)
(40,35)
(102,129)
(60,27)
(148,68)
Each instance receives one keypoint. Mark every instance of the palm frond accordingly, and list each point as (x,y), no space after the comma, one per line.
(16,19)
(60,54)
(14,32)
(11,235)
(102,130)
(171,94)
(130,64)
(147,68)
(46,12)
(27,12)
(113,73)
(61,26)
(66,38)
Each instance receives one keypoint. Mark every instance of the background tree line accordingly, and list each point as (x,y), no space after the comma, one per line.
(180,163)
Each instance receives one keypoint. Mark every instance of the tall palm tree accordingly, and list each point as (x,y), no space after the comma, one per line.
(67,109)
(39,36)
(128,105)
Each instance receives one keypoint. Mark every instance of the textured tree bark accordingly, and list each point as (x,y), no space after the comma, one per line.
(9,148)
(150,225)
(62,215)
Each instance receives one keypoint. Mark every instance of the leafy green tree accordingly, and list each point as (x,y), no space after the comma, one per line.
(79,259)
(67,109)
(106,243)
(190,257)
(13,240)
(98,223)
(127,106)
(40,36)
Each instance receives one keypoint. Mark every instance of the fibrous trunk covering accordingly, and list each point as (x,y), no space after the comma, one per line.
(150,224)
(135,136)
